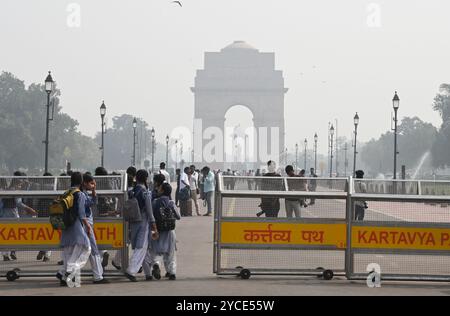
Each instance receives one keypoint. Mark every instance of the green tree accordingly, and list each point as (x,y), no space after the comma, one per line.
(414,139)
(441,146)
(22,130)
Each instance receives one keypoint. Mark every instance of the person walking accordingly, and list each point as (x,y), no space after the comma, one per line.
(312,185)
(177,192)
(165,245)
(360,187)
(208,187)
(194,185)
(292,204)
(163,171)
(95,259)
(303,186)
(75,238)
(270,206)
(139,231)
(185,193)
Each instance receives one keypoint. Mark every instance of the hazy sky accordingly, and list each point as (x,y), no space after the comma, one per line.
(140,56)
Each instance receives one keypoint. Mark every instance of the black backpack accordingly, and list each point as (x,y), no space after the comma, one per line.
(165,218)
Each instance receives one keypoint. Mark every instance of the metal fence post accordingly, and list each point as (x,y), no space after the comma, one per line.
(349,218)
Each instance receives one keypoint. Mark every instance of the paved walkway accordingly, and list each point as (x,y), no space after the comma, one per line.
(195,277)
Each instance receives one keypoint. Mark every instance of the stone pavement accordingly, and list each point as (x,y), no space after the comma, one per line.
(195,277)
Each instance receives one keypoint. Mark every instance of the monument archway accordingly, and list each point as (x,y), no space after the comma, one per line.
(240,75)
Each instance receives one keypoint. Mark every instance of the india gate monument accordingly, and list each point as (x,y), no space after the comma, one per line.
(238,75)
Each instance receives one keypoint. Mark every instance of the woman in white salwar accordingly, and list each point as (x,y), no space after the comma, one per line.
(165,245)
(95,260)
(75,239)
(140,231)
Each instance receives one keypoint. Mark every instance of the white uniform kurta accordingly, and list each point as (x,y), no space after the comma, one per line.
(140,231)
(165,245)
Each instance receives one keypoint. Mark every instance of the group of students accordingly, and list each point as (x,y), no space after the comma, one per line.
(148,244)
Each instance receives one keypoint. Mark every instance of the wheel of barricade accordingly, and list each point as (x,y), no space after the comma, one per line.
(328,274)
(13,275)
(245,274)
(320,272)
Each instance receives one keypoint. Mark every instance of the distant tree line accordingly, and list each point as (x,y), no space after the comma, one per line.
(415,138)
(22,132)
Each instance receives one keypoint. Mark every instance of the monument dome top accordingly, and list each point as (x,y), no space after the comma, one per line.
(241,45)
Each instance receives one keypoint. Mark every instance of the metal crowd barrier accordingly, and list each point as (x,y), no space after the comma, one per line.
(31,237)
(406,233)
(313,244)
(407,236)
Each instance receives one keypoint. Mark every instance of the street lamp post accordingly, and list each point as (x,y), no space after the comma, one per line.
(48,88)
(286,156)
(396,105)
(153,149)
(246,150)
(181,156)
(331,149)
(102,115)
(356,122)
(176,154)
(133,161)
(167,150)
(306,145)
(337,148)
(346,160)
(296,155)
(315,152)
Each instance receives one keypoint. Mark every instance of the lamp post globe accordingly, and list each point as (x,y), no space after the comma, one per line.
(49,83)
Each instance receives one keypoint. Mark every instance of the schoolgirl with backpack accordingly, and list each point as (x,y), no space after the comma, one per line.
(166,214)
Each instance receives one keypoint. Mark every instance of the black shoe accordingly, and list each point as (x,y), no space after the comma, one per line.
(46,259)
(6,258)
(61,262)
(59,276)
(66,276)
(40,255)
(172,277)
(167,275)
(156,272)
(140,270)
(148,278)
(116,266)
(102,281)
(105,259)
(130,277)
(207,214)
(13,255)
